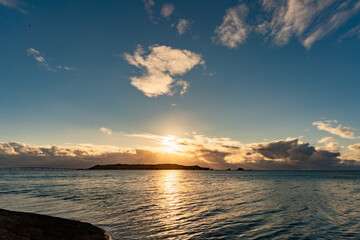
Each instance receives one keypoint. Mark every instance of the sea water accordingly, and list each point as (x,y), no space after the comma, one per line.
(177,204)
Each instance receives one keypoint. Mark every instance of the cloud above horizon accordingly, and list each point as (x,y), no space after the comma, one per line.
(308,21)
(149,4)
(344,132)
(44,63)
(183,25)
(106,130)
(354,32)
(233,30)
(167,10)
(196,149)
(326,139)
(160,69)
(12,4)
(354,147)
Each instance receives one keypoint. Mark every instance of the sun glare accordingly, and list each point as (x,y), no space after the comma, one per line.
(170,144)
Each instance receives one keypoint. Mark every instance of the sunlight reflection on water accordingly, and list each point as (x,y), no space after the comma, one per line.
(194,204)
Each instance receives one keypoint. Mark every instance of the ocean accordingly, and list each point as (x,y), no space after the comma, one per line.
(178,204)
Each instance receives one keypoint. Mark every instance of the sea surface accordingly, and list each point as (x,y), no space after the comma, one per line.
(178,204)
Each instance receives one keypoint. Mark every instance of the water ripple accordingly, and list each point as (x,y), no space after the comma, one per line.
(194,204)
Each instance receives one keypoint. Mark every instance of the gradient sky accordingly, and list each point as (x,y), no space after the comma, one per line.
(129,73)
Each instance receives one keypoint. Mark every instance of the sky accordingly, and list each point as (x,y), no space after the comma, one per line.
(259,84)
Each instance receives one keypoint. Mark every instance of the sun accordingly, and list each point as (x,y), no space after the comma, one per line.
(170,144)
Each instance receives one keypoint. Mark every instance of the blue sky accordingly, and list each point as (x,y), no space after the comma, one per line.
(253,72)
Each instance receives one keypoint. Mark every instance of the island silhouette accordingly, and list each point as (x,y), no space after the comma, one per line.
(146,167)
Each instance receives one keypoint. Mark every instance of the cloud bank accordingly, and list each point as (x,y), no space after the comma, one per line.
(197,149)
(160,68)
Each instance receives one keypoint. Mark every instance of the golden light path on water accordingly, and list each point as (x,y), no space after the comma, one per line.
(176,204)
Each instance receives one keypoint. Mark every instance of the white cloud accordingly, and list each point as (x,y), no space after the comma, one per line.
(106,130)
(233,31)
(167,10)
(160,67)
(44,63)
(182,26)
(65,68)
(344,132)
(354,147)
(326,139)
(331,147)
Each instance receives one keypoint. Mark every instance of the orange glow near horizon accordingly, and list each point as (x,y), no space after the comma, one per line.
(170,144)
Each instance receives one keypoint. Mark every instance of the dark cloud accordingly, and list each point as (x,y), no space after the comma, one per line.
(214,158)
(293,154)
(289,150)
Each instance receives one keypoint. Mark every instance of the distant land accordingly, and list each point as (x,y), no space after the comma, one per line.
(146,167)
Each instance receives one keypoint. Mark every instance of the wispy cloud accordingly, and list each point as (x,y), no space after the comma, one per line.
(234,30)
(106,130)
(309,21)
(44,63)
(293,17)
(342,14)
(344,132)
(183,25)
(149,4)
(326,139)
(167,10)
(280,21)
(354,147)
(354,32)
(12,4)
(160,67)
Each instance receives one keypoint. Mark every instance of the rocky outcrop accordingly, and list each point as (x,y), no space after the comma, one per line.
(29,226)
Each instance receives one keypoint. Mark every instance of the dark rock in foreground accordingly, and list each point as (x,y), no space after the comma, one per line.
(29,226)
(146,167)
